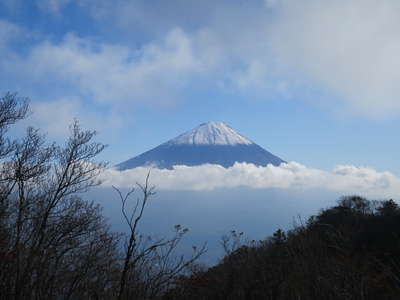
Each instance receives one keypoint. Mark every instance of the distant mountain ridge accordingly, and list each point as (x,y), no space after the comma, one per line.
(209,143)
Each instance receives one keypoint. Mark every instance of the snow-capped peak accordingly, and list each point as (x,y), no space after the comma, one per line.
(211,133)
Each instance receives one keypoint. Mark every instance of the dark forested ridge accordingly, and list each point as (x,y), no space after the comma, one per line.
(56,245)
(350,251)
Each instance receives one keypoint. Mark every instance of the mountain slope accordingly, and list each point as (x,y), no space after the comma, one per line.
(212,142)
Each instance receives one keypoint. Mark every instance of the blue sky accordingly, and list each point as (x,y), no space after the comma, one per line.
(312,82)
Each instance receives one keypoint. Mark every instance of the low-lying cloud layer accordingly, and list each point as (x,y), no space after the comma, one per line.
(292,175)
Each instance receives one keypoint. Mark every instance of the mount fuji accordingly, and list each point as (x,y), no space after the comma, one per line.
(209,143)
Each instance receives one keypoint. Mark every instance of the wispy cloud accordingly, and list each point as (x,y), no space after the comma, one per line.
(344,179)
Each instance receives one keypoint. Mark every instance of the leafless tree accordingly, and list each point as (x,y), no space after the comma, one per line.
(150,265)
(232,241)
(52,240)
(56,245)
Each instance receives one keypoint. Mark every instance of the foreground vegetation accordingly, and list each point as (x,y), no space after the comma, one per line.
(350,251)
(55,245)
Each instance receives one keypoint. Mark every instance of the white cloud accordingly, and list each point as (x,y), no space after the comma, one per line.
(348,47)
(159,69)
(345,179)
(156,72)
(54,117)
(114,73)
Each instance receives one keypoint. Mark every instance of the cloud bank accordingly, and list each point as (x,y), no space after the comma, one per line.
(292,175)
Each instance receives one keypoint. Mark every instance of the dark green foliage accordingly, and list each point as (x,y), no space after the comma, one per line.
(350,251)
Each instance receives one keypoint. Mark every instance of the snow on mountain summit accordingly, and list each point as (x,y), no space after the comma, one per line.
(210,143)
(211,133)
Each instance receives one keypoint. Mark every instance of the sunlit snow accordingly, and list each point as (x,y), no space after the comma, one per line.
(211,133)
